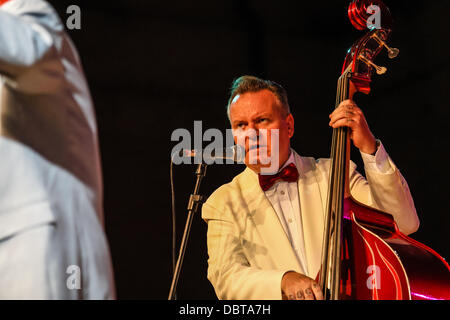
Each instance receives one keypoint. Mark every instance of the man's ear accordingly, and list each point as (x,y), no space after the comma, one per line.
(290,124)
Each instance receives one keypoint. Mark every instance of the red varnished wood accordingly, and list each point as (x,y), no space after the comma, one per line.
(358,15)
(381,263)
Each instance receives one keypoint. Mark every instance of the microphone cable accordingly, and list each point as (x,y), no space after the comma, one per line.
(174,217)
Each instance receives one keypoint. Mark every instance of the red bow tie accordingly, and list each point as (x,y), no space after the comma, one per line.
(289,173)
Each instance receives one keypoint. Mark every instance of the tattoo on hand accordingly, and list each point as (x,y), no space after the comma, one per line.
(300,295)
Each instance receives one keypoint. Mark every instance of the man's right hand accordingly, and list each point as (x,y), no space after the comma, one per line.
(296,286)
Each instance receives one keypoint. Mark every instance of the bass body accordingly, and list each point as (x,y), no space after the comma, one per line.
(378,262)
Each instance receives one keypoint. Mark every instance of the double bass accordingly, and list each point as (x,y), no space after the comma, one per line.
(364,255)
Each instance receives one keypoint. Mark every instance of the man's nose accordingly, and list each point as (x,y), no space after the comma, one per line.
(253,132)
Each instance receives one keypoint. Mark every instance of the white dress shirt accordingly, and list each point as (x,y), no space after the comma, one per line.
(284,197)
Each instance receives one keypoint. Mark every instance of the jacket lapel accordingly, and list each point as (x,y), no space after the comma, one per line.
(312,201)
(264,216)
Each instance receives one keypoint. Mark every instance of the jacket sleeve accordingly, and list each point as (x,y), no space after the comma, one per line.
(22,43)
(228,269)
(28,55)
(386,191)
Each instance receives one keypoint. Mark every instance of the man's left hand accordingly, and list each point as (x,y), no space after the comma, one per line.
(347,114)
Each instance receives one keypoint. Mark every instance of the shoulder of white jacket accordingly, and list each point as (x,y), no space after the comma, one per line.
(40,11)
(306,163)
(227,187)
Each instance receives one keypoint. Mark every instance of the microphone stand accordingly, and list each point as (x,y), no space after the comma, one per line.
(194,201)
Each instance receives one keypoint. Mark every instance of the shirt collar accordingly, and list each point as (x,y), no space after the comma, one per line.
(290,160)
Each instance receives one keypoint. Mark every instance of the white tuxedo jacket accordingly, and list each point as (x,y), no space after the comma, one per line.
(52,242)
(249,251)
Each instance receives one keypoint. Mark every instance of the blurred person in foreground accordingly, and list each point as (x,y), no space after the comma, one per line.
(52,241)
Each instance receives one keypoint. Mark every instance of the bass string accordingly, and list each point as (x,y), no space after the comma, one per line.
(340,189)
(339,165)
(330,218)
(335,205)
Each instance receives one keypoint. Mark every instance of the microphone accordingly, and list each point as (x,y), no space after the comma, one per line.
(233,154)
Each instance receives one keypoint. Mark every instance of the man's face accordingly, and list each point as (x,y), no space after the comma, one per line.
(261,112)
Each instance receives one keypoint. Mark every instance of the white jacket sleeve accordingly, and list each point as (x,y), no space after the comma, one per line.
(22,43)
(385,189)
(29,59)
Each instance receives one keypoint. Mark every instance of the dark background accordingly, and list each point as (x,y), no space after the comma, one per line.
(155,66)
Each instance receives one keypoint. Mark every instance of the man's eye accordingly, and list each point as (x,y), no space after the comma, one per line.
(263,120)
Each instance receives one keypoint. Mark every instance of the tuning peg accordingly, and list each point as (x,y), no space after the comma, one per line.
(380,70)
(392,52)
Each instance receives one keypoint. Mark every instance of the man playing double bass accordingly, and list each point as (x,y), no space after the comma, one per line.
(265,232)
